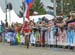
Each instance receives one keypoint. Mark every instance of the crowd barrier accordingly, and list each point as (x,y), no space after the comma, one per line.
(46,37)
(43,36)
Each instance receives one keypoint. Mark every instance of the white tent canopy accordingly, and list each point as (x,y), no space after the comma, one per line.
(13,18)
(36,18)
(2,15)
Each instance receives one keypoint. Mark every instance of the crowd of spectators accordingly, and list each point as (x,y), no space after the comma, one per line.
(61,29)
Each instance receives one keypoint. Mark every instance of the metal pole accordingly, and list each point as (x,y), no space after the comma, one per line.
(55,8)
(61,6)
(55,15)
(10,17)
(6,9)
(24,13)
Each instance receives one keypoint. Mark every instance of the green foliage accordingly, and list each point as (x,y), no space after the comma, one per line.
(37,6)
(68,5)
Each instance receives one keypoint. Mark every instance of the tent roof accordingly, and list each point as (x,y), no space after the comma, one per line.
(13,18)
(36,18)
(2,15)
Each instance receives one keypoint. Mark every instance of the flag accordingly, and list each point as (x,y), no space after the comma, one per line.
(28,4)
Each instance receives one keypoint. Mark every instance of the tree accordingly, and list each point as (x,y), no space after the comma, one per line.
(37,6)
(68,5)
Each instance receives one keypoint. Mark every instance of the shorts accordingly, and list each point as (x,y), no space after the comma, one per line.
(27,33)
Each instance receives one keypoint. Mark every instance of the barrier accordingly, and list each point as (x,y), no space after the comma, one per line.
(65,38)
(42,37)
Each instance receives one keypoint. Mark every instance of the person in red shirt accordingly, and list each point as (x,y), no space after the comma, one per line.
(26,30)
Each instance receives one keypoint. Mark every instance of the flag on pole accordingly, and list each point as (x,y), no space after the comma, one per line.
(28,4)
